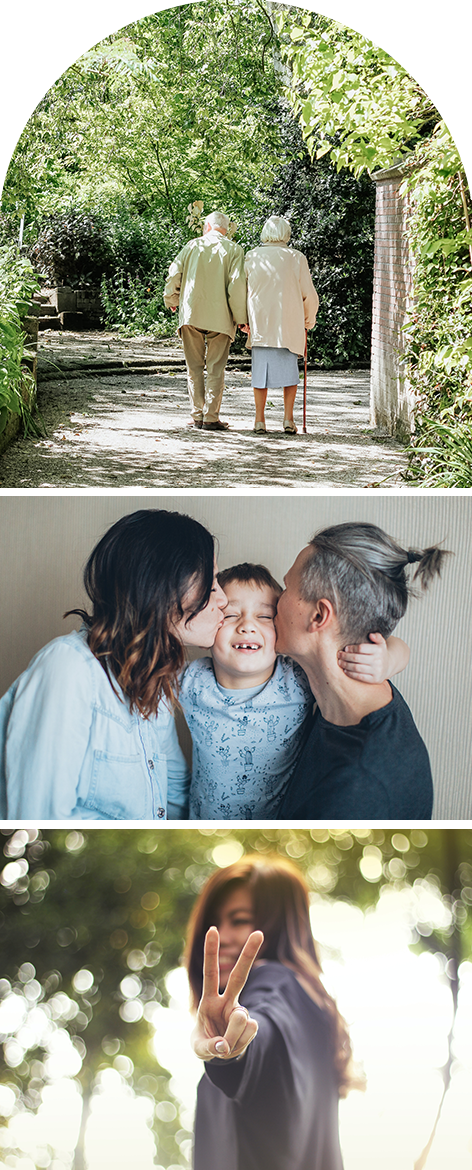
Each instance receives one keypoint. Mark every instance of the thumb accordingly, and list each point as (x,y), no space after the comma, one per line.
(207,1048)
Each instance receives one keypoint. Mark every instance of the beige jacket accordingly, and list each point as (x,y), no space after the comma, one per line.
(281,299)
(207,281)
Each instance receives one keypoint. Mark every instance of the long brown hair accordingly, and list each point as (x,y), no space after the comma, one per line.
(281,910)
(137,578)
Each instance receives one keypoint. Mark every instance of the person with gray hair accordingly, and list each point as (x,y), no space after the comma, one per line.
(282,305)
(364,757)
(207,281)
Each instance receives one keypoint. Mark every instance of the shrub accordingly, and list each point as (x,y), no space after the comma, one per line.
(134,306)
(127,254)
(332,216)
(438,335)
(132,291)
(73,248)
(17,285)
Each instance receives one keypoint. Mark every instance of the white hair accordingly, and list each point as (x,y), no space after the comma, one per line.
(276,230)
(216,219)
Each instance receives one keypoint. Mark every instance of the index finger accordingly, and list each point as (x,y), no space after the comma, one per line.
(211,966)
(361,648)
(243,965)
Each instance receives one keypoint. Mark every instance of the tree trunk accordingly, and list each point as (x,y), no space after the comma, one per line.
(451,864)
(79,1162)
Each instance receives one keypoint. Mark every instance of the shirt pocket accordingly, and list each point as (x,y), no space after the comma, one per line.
(119,788)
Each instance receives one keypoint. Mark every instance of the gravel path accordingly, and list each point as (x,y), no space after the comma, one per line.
(116,410)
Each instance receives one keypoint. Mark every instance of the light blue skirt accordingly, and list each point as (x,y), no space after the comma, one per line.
(273,367)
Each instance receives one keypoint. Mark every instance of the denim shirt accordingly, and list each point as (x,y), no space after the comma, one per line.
(70,748)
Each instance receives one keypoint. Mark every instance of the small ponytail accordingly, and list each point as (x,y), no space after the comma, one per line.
(431,561)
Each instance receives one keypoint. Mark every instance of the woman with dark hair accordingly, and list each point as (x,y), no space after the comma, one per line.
(87,731)
(277,1063)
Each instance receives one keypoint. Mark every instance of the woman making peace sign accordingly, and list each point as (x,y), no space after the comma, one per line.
(275,1067)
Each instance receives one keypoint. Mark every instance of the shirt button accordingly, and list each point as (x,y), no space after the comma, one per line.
(161,812)
(151,765)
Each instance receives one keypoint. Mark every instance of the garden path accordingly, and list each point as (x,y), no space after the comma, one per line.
(116,410)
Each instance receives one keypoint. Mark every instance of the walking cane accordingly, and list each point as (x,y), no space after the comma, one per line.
(304,388)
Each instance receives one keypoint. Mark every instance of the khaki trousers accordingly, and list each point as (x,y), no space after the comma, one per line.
(204,348)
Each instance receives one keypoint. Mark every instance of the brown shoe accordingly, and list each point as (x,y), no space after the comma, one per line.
(216,426)
(195,422)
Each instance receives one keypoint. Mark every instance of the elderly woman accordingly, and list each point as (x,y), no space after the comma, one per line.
(282,304)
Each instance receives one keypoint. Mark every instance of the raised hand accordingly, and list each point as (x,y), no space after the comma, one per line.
(367,663)
(376,660)
(224,1028)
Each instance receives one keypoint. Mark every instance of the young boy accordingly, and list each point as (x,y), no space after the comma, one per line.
(249,710)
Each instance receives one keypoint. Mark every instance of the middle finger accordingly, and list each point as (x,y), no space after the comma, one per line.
(243,965)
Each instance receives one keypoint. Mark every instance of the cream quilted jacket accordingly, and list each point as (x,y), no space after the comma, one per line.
(281,299)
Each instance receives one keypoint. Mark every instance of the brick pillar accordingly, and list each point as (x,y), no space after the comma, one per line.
(391,398)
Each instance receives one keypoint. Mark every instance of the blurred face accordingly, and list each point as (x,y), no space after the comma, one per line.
(293,612)
(201,630)
(244,649)
(235,922)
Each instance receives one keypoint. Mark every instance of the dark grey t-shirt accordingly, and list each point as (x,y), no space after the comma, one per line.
(277,1107)
(378,769)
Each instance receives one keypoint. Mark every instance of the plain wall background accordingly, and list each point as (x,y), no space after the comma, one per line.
(45,541)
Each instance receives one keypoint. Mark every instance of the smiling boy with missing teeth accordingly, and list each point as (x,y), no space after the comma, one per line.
(247,709)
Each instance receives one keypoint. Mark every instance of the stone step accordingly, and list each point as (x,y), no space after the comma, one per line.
(49,323)
(41,298)
(42,309)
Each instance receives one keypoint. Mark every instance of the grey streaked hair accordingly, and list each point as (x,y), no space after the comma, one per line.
(217,219)
(361,570)
(276,230)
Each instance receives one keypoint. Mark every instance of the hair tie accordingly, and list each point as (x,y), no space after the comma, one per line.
(412,557)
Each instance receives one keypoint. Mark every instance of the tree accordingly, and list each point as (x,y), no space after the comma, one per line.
(354,102)
(175,107)
(361,109)
(84,957)
(332,216)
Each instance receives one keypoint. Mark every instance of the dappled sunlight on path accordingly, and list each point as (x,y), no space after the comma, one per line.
(116,413)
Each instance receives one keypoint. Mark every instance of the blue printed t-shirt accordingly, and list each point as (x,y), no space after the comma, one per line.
(245,745)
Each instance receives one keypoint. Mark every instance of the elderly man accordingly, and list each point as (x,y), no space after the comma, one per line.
(363,757)
(208,282)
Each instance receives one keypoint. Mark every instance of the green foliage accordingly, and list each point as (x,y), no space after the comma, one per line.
(183,107)
(176,106)
(439,333)
(361,109)
(441,455)
(18,282)
(125,253)
(332,218)
(133,306)
(354,102)
(132,290)
(72,248)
